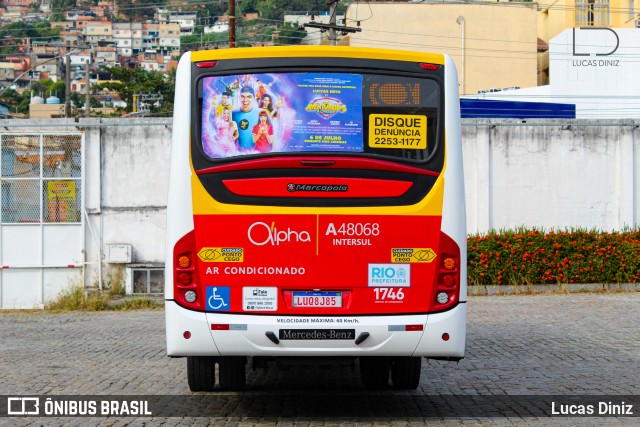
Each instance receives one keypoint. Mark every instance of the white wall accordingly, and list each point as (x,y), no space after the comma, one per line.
(570,174)
(134,177)
(542,173)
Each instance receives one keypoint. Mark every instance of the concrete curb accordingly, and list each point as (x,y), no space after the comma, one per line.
(563,288)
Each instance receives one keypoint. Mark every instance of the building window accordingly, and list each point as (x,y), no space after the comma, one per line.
(144,279)
(40,178)
(592,13)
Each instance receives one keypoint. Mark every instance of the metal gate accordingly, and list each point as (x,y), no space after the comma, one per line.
(41,216)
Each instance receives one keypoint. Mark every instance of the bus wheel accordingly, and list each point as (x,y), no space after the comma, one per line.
(405,372)
(374,372)
(201,373)
(231,372)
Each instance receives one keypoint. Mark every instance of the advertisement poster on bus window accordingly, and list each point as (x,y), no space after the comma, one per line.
(264,113)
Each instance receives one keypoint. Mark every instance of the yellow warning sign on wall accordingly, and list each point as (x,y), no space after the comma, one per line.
(398,131)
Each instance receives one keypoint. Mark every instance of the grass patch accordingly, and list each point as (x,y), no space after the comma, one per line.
(77,299)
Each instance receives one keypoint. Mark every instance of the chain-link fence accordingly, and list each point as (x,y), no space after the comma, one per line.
(41,178)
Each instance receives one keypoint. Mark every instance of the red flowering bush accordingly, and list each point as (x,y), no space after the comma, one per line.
(524,257)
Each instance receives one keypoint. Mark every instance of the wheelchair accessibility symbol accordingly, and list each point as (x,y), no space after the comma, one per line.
(218,298)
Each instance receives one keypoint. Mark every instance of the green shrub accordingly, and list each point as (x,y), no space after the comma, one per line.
(526,257)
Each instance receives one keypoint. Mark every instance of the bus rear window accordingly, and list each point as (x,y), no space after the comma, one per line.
(339,113)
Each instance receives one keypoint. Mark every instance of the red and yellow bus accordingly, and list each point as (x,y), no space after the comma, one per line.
(316,211)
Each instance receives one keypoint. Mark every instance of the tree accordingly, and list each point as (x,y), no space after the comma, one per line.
(139,11)
(290,34)
(58,7)
(128,82)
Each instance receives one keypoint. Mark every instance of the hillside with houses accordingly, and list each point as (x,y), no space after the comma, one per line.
(39,37)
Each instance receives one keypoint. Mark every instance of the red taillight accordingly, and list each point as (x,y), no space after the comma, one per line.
(448,280)
(186,291)
(447,290)
(431,67)
(184,279)
(206,64)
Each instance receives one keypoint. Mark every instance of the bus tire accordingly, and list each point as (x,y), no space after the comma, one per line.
(231,372)
(405,372)
(374,372)
(201,373)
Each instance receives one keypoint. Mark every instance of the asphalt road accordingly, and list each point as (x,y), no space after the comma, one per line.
(523,353)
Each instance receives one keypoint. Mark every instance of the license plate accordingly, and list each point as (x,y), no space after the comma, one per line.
(317,334)
(317,299)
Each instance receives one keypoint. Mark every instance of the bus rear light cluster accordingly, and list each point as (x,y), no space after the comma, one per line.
(185,274)
(447,292)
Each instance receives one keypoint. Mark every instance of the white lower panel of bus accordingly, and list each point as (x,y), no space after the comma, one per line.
(249,335)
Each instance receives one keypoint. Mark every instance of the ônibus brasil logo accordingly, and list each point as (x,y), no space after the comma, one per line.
(261,234)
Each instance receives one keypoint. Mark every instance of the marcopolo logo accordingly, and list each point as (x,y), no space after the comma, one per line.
(292,188)
(391,275)
(261,234)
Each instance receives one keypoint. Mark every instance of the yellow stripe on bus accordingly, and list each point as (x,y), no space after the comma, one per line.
(316,52)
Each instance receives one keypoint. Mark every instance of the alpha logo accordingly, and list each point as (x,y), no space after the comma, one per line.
(588,47)
(261,234)
(292,188)
(326,107)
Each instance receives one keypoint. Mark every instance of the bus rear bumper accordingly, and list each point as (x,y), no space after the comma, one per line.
(451,322)
(181,321)
(215,334)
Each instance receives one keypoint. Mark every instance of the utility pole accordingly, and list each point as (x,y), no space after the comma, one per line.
(333,9)
(87,101)
(67,83)
(232,23)
(333,26)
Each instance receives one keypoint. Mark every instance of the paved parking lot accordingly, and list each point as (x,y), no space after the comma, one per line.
(522,352)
